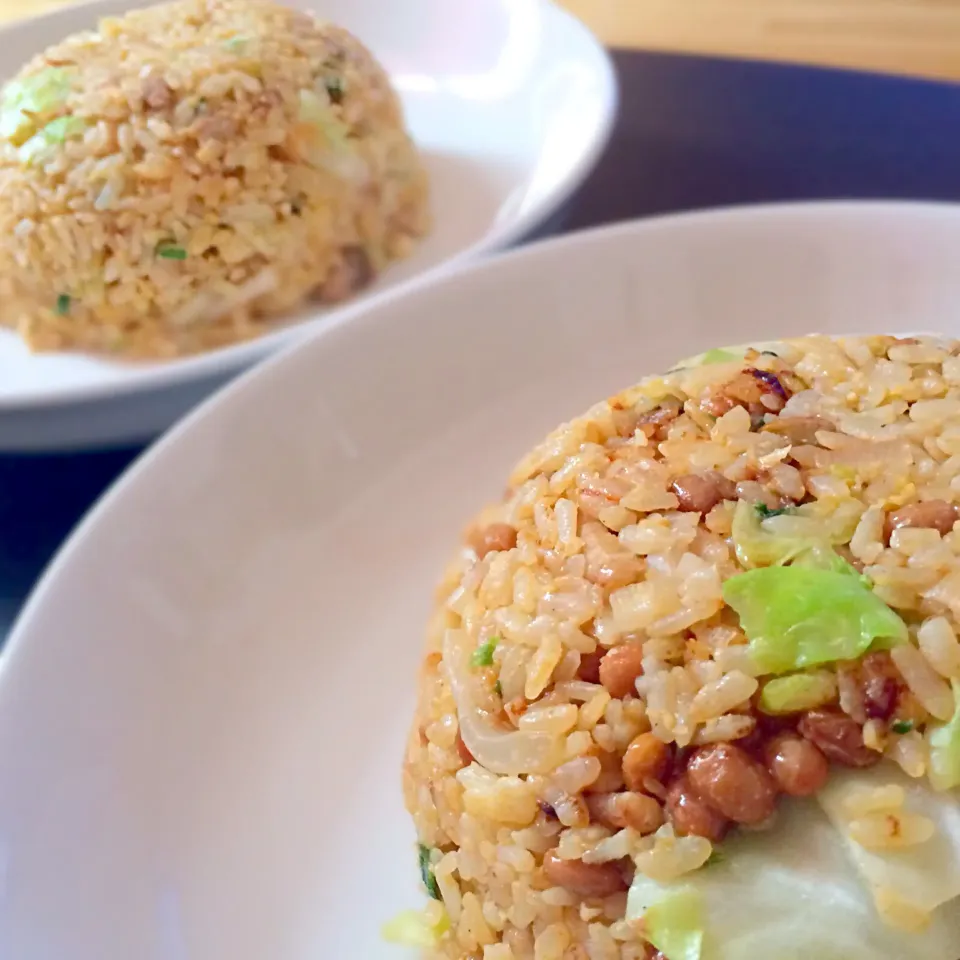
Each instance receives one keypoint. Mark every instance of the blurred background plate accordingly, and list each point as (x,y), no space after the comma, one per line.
(204,705)
(511,102)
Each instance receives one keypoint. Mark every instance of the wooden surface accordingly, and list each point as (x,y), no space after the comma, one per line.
(919,37)
(14,9)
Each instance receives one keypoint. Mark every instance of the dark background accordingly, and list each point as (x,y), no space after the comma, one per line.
(692,133)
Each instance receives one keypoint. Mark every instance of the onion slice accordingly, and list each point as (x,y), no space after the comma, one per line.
(499,748)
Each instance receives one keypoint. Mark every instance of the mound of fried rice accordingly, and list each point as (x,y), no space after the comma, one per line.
(583,661)
(183,176)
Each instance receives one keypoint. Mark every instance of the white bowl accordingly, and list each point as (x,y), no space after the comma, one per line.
(511,101)
(203,707)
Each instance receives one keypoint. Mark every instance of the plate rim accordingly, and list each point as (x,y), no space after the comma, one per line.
(228,361)
(625,239)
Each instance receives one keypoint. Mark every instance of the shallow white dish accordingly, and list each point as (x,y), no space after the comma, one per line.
(204,705)
(511,102)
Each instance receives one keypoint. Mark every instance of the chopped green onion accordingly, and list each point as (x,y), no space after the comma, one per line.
(483,655)
(901,726)
(426,871)
(764,512)
(236,43)
(336,88)
(63,304)
(170,251)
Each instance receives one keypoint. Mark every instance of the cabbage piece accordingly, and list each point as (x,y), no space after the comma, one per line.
(721,356)
(672,917)
(793,893)
(944,743)
(25,103)
(416,928)
(927,874)
(312,109)
(799,616)
(54,133)
(57,131)
(762,539)
(330,145)
(799,691)
(823,558)
(733,355)
(758,547)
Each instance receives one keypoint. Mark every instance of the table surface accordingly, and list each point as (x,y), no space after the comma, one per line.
(692,132)
(919,37)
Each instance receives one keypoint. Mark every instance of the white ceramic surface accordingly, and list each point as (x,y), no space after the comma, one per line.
(204,706)
(511,102)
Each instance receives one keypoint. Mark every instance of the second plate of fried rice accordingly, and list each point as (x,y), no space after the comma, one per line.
(191,186)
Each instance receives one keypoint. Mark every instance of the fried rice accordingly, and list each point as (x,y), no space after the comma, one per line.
(726,587)
(184,176)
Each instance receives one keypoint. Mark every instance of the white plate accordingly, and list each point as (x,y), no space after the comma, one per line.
(511,101)
(204,706)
